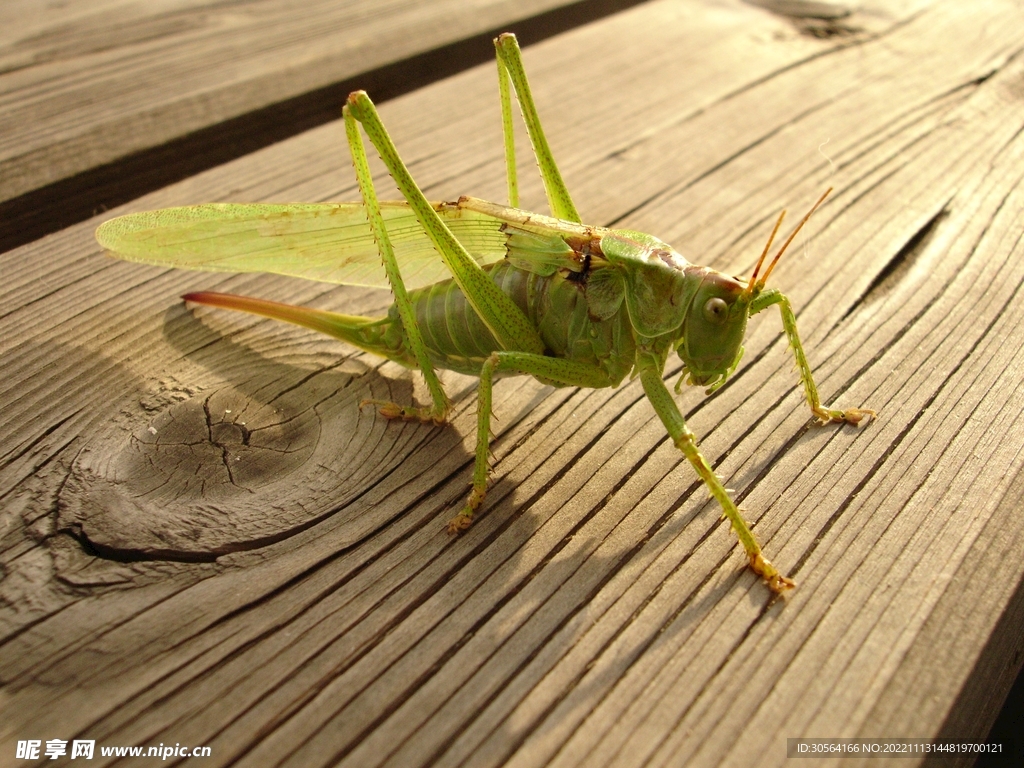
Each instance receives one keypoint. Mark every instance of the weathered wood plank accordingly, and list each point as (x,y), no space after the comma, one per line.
(101,80)
(598,612)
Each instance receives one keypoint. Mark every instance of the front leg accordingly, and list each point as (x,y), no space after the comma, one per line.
(824,415)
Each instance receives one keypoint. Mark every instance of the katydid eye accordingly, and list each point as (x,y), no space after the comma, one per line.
(716,310)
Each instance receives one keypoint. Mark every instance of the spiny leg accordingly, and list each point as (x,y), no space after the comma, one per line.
(499,313)
(824,415)
(464,519)
(684,439)
(508,132)
(510,65)
(438,412)
(548,368)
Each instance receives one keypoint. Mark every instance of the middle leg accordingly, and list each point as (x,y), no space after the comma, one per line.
(567,372)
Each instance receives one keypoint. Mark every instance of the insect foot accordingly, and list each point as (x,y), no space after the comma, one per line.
(406,412)
(464,519)
(850,416)
(763,567)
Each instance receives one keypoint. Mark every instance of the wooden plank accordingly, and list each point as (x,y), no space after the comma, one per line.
(101,80)
(310,609)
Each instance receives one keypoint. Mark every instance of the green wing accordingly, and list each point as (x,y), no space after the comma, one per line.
(329,242)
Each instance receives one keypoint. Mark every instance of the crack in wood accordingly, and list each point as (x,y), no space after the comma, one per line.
(899,265)
(912,422)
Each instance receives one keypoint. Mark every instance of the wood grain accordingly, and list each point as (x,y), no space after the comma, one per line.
(101,80)
(283,590)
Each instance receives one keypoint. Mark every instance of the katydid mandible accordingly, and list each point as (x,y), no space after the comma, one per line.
(513,292)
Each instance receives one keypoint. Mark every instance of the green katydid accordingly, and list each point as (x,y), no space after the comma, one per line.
(513,292)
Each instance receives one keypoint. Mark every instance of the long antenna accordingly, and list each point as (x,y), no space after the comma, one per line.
(771,239)
(754,282)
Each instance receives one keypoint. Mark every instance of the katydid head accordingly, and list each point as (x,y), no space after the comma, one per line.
(712,342)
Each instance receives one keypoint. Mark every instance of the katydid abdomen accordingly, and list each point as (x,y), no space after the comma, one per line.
(456,338)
